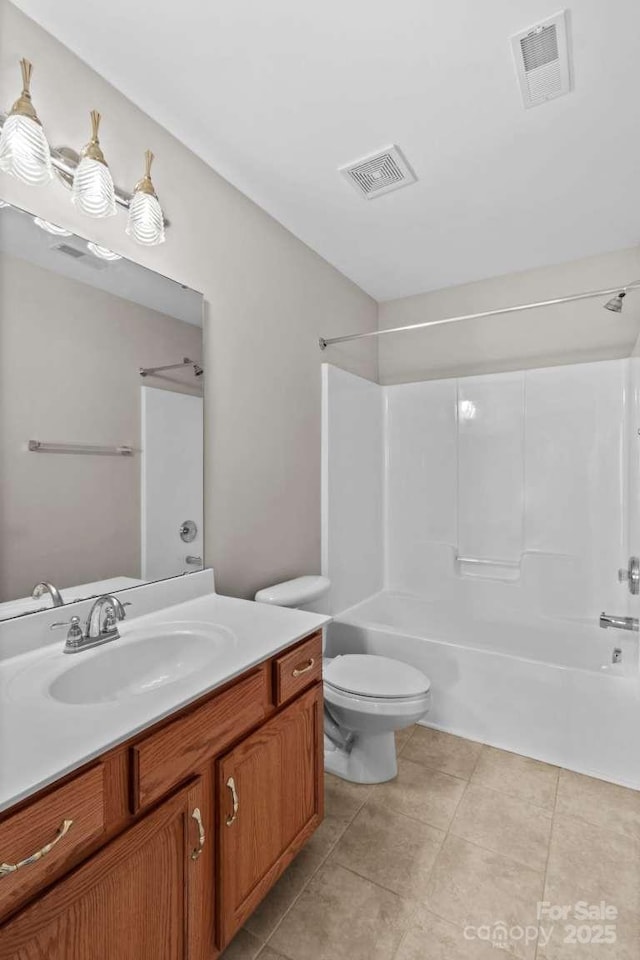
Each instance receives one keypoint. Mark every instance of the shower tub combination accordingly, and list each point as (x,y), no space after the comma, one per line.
(545,688)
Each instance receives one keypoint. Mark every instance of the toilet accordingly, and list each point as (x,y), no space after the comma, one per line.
(367,698)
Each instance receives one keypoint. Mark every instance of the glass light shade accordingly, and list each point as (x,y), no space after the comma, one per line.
(103,252)
(24,151)
(93,191)
(51,227)
(146,221)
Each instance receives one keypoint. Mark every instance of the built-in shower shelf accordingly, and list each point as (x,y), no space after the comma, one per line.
(489,568)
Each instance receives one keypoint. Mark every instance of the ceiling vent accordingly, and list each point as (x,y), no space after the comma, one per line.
(542,60)
(69,251)
(379,173)
(76,254)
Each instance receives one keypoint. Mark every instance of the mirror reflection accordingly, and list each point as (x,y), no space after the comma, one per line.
(101,420)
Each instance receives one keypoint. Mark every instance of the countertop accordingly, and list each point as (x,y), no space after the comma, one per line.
(42,739)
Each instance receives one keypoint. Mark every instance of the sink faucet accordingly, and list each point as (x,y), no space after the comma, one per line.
(41,588)
(101,625)
(620,623)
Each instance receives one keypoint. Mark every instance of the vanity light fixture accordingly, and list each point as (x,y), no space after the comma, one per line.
(103,252)
(25,154)
(93,192)
(51,227)
(146,220)
(24,151)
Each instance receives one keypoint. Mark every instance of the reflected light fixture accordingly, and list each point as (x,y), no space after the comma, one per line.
(146,220)
(24,151)
(616,303)
(103,252)
(51,227)
(93,192)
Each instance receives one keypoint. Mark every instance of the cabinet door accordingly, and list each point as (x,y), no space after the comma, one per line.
(270,800)
(143,897)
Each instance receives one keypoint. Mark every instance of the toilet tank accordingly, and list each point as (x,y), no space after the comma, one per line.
(302,592)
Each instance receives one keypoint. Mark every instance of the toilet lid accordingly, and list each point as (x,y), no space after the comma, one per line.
(369,676)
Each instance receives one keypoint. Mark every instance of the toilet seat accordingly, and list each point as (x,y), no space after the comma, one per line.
(367,677)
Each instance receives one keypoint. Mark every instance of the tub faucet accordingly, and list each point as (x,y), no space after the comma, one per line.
(620,623)
(41,588)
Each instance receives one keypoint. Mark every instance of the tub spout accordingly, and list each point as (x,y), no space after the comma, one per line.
(619,623)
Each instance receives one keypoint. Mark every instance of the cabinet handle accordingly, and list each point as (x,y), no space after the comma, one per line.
(236,803)
(197,816)
(7,868)
(298,671)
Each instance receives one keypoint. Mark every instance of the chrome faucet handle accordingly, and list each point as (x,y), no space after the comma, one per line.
(631,575)
(75,636)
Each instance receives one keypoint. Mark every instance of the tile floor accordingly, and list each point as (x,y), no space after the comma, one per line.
(468,836)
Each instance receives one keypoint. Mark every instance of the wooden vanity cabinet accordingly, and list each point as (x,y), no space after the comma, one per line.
(188,826)
(141,896)
(270,802)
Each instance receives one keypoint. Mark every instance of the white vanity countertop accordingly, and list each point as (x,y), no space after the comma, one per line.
(42,738)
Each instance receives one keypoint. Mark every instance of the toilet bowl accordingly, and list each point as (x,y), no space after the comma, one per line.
(367,698)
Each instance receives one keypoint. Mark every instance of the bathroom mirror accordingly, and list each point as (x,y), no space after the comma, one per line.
(101,420)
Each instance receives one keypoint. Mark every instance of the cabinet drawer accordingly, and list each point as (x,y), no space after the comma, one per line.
(297,670)
(170,756)
(49,835)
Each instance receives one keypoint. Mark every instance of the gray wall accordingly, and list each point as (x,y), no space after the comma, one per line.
(269,298)
(567,333)
(69,359)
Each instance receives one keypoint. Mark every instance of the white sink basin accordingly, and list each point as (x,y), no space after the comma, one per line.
(140,663)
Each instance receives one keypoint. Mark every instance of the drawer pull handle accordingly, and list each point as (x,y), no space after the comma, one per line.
(197,816)
(236,803)
(298,671)
(8,868)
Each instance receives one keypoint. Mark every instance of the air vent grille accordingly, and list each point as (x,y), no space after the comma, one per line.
(379,173)
(542,60)
(69,251)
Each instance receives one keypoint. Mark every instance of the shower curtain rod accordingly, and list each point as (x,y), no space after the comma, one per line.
(328,341)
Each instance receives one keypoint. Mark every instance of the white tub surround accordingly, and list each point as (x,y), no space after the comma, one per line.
(43,738)
(510,502)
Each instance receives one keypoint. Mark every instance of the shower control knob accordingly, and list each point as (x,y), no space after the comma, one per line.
(631,575)
(188,531)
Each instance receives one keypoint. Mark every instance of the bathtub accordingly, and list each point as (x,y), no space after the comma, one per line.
(544,688)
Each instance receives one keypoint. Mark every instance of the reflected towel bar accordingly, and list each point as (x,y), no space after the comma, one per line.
(37,446)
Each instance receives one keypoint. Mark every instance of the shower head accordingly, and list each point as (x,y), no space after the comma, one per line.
(616,303)
(197,370)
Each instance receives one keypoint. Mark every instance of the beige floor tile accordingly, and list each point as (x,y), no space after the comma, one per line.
(442,751)
(517,776)
(422,793)
(506,825)
(341,916)
(392,850)
(564,945)
(599,802)
(270,912)
(268,954)
(244,946)
(475,887)
(587,862)
(343,799)
(403,737)
(430,938)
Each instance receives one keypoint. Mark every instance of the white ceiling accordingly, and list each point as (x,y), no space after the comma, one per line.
(276,96)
